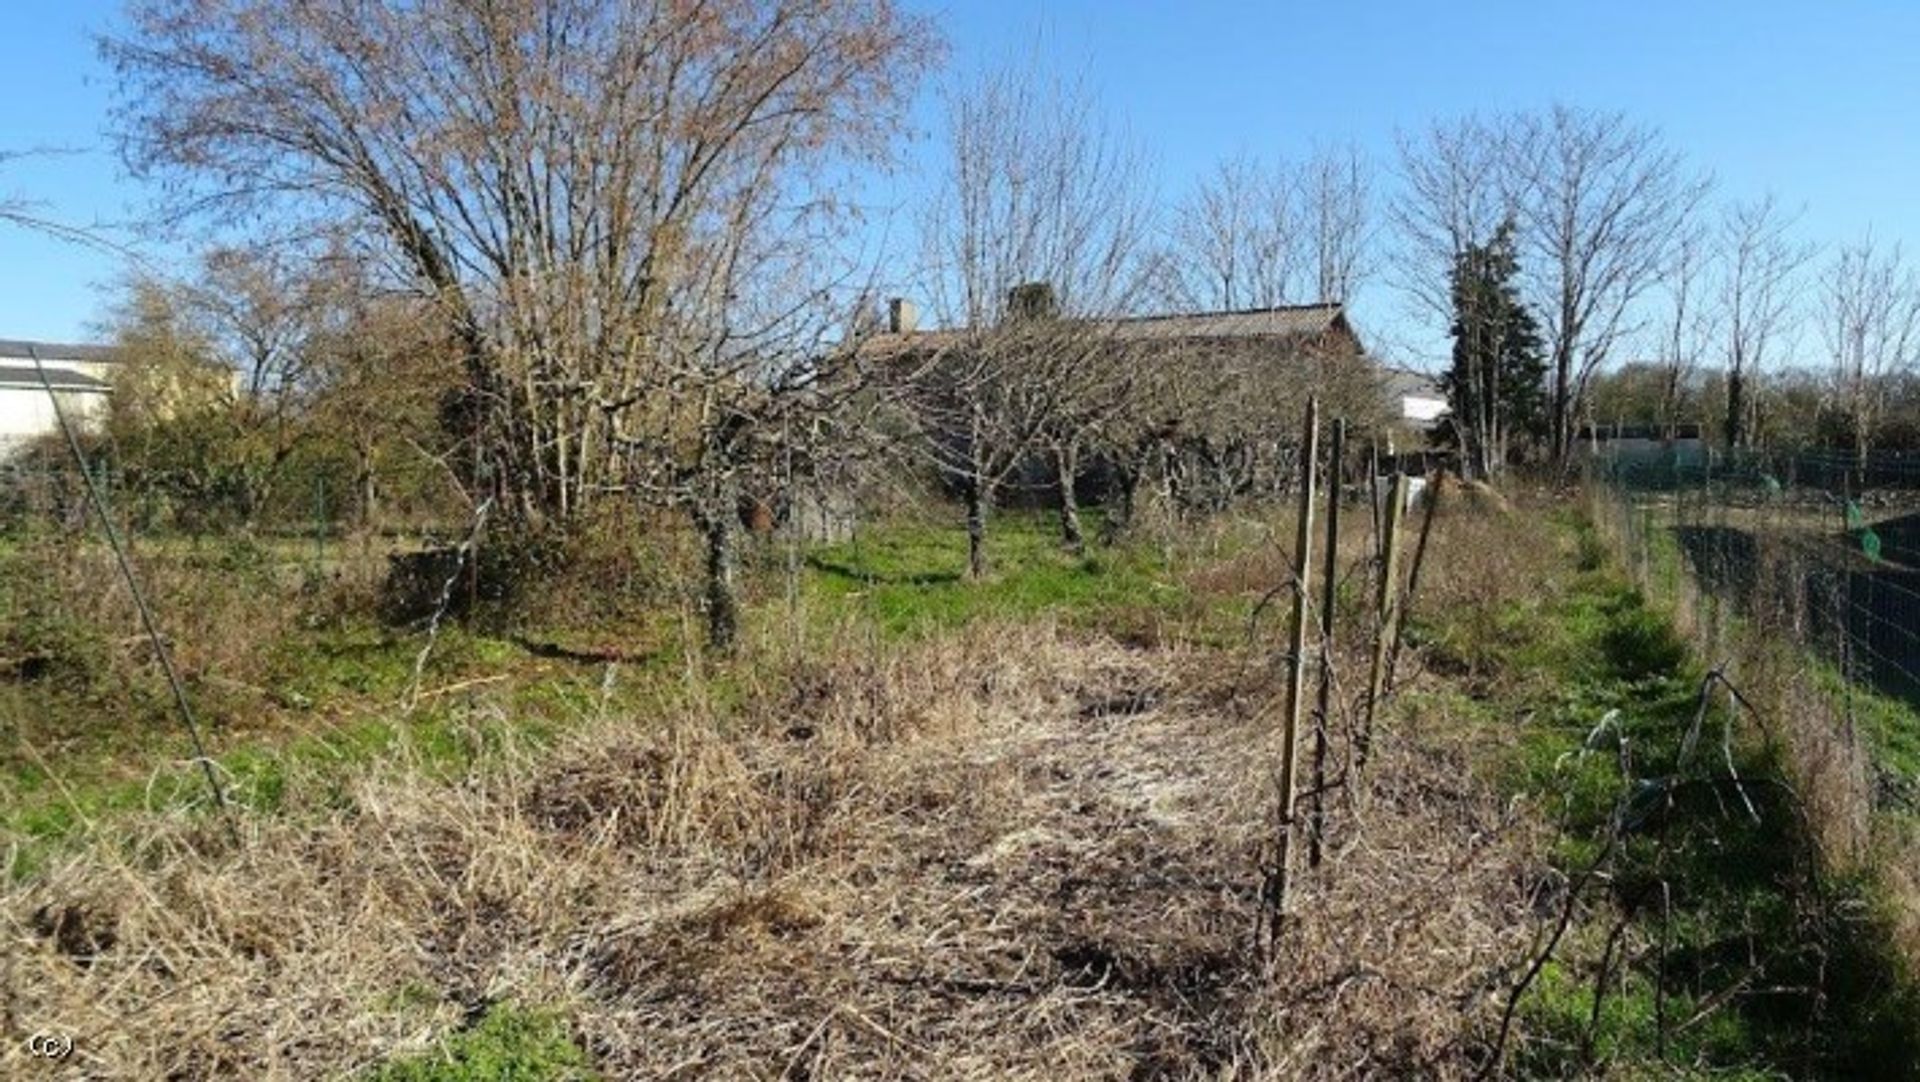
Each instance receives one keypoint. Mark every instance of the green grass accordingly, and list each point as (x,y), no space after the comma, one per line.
(912,578)
(329,702)
(1753,977)
(505,1045)
(443,742)
(1891,725)
(339,706)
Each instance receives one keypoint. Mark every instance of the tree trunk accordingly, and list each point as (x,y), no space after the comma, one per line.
(716,523)
(1066,461)
(256,493)
(1126,479)
(1670,404)
(1170,492)
(1477,455)
(1563,396)
(976,529)
(369,497)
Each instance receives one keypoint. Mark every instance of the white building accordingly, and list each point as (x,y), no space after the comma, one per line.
(1417,399)
(80,376)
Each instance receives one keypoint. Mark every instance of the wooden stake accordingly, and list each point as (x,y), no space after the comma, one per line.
(1387,606)
(1275,902)
(1323,708)
(1413,575)
(1373,501)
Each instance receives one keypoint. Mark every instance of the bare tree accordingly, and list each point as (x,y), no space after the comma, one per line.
(1336,215)
(1456,188)
(1871,315)
(557,175)
(264,306)
(267,311)
(1759,263)
(161,345)
(1687,325)
(759,397)
(379,373)
(982,411)
(601,197)
(1035,240)
(1234,241)
(1601,202)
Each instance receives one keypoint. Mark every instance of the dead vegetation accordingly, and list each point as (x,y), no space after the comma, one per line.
(1403,942)
(1011,852)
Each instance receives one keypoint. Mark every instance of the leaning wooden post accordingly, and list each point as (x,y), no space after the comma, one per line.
(1387,607)
(1323,707)
(1373,501)
(1275,902)
(1432,490)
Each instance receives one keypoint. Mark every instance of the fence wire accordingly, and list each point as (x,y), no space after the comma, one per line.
(314,520)
(1819,546)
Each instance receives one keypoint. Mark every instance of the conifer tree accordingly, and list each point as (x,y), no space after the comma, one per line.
(1496,383)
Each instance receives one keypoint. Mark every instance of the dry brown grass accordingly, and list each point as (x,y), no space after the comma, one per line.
(1010,852)
(1013,852)
(1402,946)
(931,851)
(73,593)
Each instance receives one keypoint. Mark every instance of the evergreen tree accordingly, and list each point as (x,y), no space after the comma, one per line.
(1496,384)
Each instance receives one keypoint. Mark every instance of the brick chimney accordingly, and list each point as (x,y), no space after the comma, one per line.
(1032,300)
(903,316)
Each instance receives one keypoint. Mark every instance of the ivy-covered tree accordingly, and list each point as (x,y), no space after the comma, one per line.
(1496,383)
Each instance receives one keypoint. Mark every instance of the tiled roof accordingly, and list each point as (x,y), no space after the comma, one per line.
(62,379)
(57,351)
(1290,321)
(1286,322)
(1404,381)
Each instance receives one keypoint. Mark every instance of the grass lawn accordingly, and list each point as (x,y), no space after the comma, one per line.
(912,578)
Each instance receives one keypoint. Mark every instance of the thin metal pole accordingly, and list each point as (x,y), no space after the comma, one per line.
(139,600)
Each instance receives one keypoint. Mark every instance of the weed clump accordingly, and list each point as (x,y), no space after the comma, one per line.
(504,1045)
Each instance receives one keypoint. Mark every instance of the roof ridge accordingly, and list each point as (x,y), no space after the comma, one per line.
(1265,310)
(24,348)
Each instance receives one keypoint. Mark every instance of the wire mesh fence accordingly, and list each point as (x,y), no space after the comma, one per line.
(313,520)
(1819,546)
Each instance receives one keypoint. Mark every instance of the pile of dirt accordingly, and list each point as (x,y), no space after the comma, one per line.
(1474,495)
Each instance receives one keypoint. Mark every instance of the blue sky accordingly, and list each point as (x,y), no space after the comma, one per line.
(1817,102)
